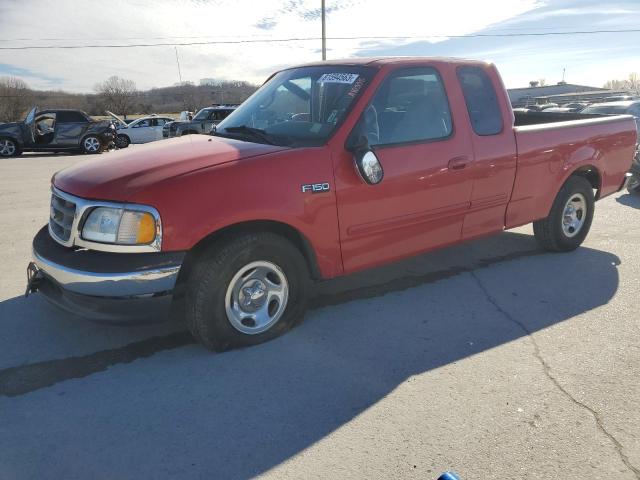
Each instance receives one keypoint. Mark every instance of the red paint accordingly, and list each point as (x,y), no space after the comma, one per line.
(433,194)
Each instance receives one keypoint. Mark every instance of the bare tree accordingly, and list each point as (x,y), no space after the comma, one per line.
(15,99)
(117,94)
(542,82)
(633,83)
(615,85)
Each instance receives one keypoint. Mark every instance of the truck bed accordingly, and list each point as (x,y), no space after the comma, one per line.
(537,118)
(550,146)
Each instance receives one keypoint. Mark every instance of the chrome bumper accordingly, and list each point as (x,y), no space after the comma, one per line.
(104,286)
(152,281)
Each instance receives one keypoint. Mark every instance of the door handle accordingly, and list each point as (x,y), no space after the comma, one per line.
(458,163)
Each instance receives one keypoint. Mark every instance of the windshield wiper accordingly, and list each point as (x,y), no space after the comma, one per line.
(254,132)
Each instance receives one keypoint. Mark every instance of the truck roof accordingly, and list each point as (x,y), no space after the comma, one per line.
(380,61)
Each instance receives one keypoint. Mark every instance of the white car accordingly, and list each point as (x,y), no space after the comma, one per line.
(142,130)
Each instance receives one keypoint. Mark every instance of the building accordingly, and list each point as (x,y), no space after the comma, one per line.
(560,93)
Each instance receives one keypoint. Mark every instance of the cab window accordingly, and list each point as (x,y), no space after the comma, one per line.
(481,100)
(410,106)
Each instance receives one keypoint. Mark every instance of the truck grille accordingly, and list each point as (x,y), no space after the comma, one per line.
(61,217)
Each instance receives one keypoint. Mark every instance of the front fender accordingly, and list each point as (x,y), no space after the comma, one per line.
(263,188)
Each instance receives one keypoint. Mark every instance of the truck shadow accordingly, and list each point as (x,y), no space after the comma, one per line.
(241,413)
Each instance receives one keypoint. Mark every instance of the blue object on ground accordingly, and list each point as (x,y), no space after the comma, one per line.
(449,476)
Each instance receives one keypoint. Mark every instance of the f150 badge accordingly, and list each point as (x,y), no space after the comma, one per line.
(315,187)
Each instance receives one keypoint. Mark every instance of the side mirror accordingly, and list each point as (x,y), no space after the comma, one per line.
(368,167)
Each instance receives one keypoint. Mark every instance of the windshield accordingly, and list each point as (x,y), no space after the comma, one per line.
(202,114)
(606,109)
(298,107)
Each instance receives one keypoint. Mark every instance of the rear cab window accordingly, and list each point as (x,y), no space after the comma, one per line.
(481,100)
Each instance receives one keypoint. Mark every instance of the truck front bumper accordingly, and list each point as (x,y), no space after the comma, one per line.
(102,286)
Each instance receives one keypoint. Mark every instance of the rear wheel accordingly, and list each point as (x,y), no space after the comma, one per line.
(91,145)
(246,290)
(570,217)
(8,148)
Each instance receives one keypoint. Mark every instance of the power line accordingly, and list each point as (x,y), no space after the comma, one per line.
(307,39)
(174,37)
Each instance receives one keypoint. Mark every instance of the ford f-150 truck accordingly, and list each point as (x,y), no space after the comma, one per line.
(327,169)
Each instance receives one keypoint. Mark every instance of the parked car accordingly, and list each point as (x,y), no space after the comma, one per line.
(55,130)
(328,169)
(558,110)
(626,107)
(633,186)
(142,130)
(575,106)
(201,123)
(539,108)
(619,98)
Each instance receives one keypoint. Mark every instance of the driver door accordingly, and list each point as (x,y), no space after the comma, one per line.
(30,126)
(425,193)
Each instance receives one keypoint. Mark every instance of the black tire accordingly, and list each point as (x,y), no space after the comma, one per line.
(91,145)
(122,141)
(212,275)
(9,147)
(549,232)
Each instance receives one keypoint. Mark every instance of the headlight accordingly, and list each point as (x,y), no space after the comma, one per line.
(120,226)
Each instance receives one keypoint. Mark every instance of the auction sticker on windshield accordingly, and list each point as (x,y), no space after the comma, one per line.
(338,78)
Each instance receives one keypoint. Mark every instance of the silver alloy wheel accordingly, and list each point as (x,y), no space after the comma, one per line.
(7,148)
(91,144)
(574,215)
(256,297)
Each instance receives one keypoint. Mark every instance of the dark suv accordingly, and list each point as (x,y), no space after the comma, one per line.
(201,122)
(55,131)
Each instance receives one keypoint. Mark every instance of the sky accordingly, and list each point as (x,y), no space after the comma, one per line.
(442,28)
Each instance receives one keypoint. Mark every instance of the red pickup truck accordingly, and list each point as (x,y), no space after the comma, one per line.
(328,169)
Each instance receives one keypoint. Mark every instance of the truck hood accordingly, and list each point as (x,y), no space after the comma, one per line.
(118,175)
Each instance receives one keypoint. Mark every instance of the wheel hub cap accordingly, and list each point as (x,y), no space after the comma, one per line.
(256,297)
(92,144)
(7,148)
(253,295)
(574,215)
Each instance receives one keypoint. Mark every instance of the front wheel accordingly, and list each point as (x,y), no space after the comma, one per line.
(91,145)
(8,148)
(246,290)
(570,217)
(122,141)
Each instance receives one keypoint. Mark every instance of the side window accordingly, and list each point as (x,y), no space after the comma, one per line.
(143,123)
(410,106)
(70,117)
(481,100)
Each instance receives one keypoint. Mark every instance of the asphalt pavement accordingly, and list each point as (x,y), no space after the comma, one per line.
(493,359)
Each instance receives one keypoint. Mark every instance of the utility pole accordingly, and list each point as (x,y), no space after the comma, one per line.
(178,62)
(324,34)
